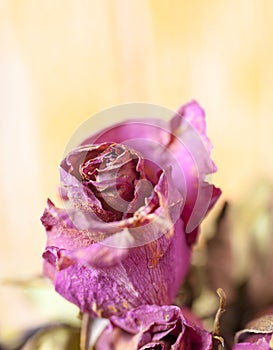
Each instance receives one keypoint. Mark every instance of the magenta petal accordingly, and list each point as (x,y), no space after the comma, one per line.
(261,344)
(153,327)
(134,199)
(98,291)
(149,128)
(99,255)
(257,335)
(57,258)
(193,114)
(192,150)
(150,274)
(80,197)
(182,144)
(88,274)
(61,231)
(158,268)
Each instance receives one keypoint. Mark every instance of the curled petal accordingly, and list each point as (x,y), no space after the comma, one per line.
(258,335)
(131,192)
(114,280)
(192,149)
(61,231)
(261,344)
(154,327)
(181,143)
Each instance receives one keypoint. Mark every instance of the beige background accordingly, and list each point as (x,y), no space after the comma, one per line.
(62,61)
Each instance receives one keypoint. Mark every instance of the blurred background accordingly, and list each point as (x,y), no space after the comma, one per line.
(63,61)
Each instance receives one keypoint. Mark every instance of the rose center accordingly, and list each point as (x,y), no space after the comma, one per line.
(111,175)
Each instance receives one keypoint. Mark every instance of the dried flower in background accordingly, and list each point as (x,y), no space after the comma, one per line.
(258,335)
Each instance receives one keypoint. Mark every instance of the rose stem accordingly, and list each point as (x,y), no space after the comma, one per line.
(85,331)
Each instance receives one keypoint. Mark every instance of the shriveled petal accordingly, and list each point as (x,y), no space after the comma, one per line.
(105,175)
(58,258)
(108,259)
(98,291)
(258,334)
(151,273)
(66,244)
(261,344)
(96,255)
(100,255)
(183,144)
(61,231)
(147,316)
(89,272)
(158,268)
(192,149)
(153,327)
(81,198)
(194,114)
(90,276)
(148,128)
(156,218)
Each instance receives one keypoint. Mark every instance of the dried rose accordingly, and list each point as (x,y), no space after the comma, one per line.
(258,335)
(154,327)
(121,242)
(183,145)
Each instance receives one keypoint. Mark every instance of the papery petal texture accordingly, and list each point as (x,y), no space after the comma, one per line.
(134,195)
(260,344)
(258,335)
(103,280)
(181,143)
(154,327)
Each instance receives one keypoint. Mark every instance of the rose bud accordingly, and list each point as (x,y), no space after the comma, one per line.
(154,327)
(258,335)
(183,145)
(121,240)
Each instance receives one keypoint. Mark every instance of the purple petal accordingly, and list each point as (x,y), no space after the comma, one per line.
(194,114)
(149,128)
(61,231)
(258,334)
(121,241)
(153,327)
(261,344)
(192,149)
(183,144)
(150,274)
(146,269)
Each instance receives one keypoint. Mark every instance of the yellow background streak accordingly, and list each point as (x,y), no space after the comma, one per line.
(62,61)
